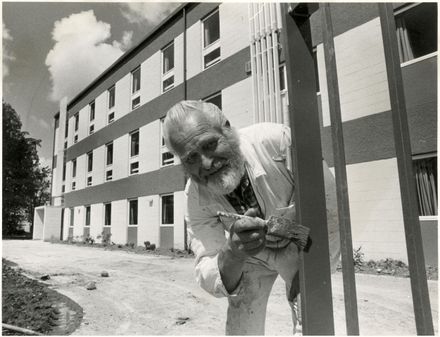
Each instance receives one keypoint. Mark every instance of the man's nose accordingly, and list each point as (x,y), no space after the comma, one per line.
(206,162)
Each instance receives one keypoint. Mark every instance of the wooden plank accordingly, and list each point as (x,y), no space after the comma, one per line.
(315,280)
(349,281)
(416,260)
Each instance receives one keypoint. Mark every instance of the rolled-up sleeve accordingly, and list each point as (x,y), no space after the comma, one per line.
(207,237)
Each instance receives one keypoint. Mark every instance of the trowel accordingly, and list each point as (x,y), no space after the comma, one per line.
(279,227)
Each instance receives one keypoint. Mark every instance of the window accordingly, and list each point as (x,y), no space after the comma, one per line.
(63,188)
(136,80)
(168,209)
(92,117)
(72,217)
(134,167)
(73,168)
(168,67)
(425,171)
(135,88)
(109,161)
(111,97)
(64,171)
(109,175)
(90,162)
(65,145)
(135,102)
(66,131)
(109,154)
(211,39)
(76,121)
(111,117)
(89,181)
(92,111)
(416,31)
(87,224)
(215,99)
(134,143)
(75,139)
(133,212)
(167,158)
(73,186)
(107,214)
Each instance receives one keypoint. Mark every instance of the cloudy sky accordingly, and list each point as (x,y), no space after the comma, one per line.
(54,49)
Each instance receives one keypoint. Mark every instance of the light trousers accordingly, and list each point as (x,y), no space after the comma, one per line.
(247,310)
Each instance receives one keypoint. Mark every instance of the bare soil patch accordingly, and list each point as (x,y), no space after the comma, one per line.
(30,304)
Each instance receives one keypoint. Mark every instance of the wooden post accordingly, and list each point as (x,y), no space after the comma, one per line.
(315,280)
(416,260)
(350,297)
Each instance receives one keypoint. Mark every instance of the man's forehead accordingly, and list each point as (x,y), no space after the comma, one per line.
(192,128)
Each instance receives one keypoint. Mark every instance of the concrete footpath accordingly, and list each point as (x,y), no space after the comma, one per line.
(157,295)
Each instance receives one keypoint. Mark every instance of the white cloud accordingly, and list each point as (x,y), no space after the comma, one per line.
(7,55)
(80,53)
(41,122)
(147,12)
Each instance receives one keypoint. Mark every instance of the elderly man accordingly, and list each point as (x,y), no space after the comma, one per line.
(241,172)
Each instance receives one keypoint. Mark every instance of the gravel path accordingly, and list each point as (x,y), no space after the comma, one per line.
(157,295)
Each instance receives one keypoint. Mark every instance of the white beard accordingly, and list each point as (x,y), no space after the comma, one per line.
(228,180)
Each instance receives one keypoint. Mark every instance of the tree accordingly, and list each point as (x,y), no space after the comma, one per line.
(25,183)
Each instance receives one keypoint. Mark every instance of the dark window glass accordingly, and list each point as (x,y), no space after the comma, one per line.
(92,111)
(108,215)
(168,58)
(211,29)
(90,162)
(109,175)
(425,171)
(110,154)
(134,167)
(168,83)
(168,209)
(133,212)
(76,121)
(72,217)
(134,148)
(88,216)
(74,168)
(111,97)
(212,57)
(215,99)
(417,31)
(136,80)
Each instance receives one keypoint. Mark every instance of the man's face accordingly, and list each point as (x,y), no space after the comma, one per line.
(210,156)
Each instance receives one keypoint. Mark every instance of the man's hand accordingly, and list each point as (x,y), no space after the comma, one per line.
(247,236)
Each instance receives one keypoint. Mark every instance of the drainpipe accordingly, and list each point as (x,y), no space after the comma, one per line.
(185,93)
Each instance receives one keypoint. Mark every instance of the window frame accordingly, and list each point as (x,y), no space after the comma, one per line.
(105,214)
(206,50)
(164,149)
(134,158)
(135,95)
(214,95)
(162,196)
(129,212)
(111,109)
(92,112)
(401,11)
(423,157)
(168,74)
(88,211)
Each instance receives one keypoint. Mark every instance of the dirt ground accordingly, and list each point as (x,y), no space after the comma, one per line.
(157,295)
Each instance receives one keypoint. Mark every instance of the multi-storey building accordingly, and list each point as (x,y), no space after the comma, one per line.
(112,173)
